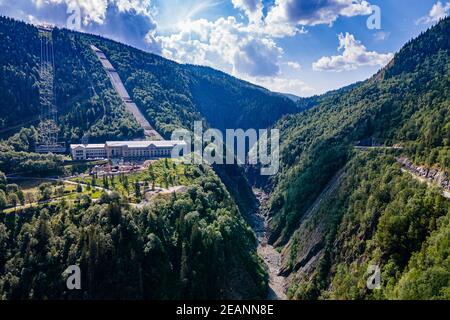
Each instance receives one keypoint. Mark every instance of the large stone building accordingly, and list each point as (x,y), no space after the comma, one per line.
(131,150)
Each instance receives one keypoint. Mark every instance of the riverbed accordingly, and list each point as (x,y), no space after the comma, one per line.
(270,256)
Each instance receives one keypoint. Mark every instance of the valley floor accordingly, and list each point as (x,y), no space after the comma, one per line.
(270,256)
(272,259)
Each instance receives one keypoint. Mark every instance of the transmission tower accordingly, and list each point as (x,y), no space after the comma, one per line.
(48,125)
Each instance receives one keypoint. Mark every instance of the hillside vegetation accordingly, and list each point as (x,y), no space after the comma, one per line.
(170,94)
(196,245)
(192,245)
(377,215)
(189,245)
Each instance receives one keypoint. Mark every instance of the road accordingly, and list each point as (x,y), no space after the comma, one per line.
(445,193)
(363,148)
(150,194)
(57,180)
(83,184)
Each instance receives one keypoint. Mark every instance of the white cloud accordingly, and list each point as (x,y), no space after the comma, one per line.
(153,44)
(257,57)
(293,65)
(252,8)
(91,10)
(224,44)
(138,6)
(285,17)
(32,19)
(354,55)
(95,11)
(283,85)
(129,21)
(381,35)
(437,12)
(235,48)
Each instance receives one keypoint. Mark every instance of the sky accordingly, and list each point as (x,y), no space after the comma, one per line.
(302,47)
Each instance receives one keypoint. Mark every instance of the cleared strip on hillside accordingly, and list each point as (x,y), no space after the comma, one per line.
(117,83)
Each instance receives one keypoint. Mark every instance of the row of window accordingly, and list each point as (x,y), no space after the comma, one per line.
(95,153)
(101,153)
(142,153)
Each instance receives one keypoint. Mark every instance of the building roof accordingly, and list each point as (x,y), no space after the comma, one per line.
(92,146)
(144,143)
(130,144)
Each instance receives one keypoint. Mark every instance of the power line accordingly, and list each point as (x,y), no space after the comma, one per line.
(21,124)
(48,127)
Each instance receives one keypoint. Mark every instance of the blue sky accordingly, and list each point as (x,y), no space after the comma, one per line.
(303,47)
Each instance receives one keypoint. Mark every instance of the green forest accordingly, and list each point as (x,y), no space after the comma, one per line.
(170,94)
(377,215)
(192,245)
(197,244)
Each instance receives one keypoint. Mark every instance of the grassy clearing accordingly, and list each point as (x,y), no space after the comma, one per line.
(163,176)
(164,173)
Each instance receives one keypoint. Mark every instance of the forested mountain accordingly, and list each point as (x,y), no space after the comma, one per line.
(194,245)
(170,94)
(190,245)
(375,214)
(84,96)
(334,209)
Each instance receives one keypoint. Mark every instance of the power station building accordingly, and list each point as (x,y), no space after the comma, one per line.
(128,150)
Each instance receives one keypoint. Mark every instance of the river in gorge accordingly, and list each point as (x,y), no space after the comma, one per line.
(270,256)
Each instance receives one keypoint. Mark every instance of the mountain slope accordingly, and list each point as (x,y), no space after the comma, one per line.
(88,104)
(188,245)
(85,99)
(169,94)
(408,104)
